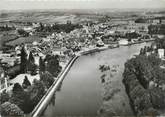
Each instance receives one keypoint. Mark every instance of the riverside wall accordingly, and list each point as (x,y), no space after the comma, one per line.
(47,97)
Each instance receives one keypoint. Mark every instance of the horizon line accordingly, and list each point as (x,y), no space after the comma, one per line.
(84,9)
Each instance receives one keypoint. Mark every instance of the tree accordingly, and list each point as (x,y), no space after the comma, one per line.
(4,97)
(23,60)
(140,20)
(156,29)
(41,27)
(160,43)
(6,28)
(37,91)
(26,83)
(47,79)
(158,98)
(41,65)
(53,65)
(17,88)
(142,51)
(22,32)
(137,75)
(21,98)
(31,64)
(31,58)
(132,35)
(10,109)
(33,69)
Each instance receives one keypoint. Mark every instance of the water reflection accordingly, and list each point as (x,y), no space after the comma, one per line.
(59,87)
(52,102)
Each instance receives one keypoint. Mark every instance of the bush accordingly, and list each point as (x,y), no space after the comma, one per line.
(53,65)
(26,83)
(47,79)
(9,109)
(36,91)
(14,71)
(157,98)
(17,88)
(4,97)
(150,112)
(22,32)
(33,69)
(21,98)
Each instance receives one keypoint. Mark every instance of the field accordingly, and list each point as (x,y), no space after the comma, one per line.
(45,17)
(24,40)
(1,42)
(75,15)
(18,18)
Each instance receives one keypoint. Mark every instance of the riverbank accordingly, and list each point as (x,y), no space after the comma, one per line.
(47,97)
(138,42)
(98,49)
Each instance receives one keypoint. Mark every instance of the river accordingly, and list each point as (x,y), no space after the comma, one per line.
(81,93)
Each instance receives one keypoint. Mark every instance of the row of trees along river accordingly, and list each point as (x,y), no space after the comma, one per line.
(144,80)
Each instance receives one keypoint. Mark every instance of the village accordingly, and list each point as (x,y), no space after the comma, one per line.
(38,41)
(89,37)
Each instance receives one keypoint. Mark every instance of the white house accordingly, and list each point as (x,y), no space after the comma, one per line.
(123,42)
(18,50)
(161,53)
(20,78)
(3,81)
(28,29)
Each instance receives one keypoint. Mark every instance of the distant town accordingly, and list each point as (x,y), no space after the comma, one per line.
(34,55)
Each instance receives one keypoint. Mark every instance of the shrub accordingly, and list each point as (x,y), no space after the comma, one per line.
(21,98)
(47,79)
(157,98)
(26,83)
(4,97)
(36,91)
(9,109)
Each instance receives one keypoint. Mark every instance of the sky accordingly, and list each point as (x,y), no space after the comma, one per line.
(79,4)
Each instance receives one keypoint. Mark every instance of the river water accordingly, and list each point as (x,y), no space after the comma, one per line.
(81,93)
